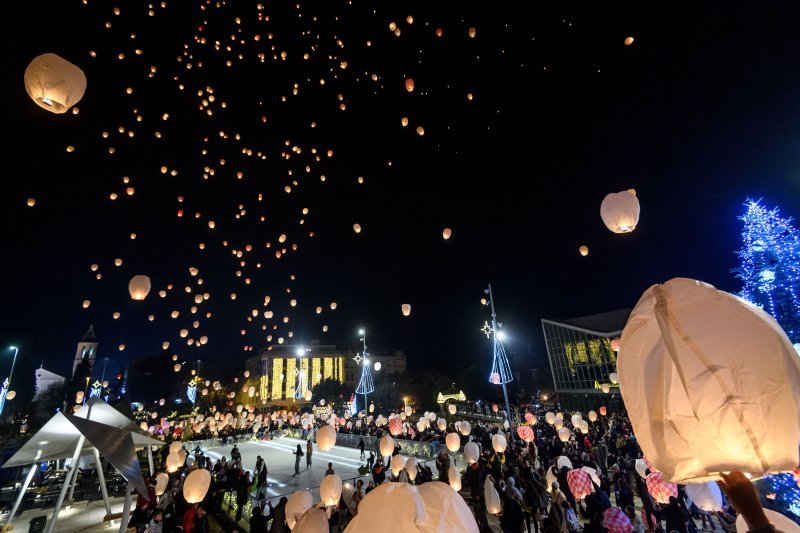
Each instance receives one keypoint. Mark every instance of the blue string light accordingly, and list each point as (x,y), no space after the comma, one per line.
(770,265)
(781,494)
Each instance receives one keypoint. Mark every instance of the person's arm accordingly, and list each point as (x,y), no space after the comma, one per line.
(743,497)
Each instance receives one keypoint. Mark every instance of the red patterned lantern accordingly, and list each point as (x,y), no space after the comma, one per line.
(580,484)
(494,407)
(659,489)
(616,521)
(603,411)
(525,433)
(529,418)
(395,426)
(495,378)
(615,345)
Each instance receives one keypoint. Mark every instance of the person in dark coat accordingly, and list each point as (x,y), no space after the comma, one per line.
(511,519)
(297,455)
(278,517)
(258,523)
(361,447)
(242,494)
(674,515)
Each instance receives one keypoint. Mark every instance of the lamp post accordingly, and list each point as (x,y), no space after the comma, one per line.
(7,383)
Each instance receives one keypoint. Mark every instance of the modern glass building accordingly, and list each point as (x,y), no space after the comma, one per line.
(582,353)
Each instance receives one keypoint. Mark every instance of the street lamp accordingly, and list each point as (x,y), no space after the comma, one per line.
(7,382)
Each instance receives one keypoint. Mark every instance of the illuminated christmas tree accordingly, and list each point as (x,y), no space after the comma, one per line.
(770,265)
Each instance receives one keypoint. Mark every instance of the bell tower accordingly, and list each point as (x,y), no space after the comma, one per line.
(87,347)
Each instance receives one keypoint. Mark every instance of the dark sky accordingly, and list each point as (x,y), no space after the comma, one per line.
(698,114)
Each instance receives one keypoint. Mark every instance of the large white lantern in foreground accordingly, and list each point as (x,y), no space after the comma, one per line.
(620,211)
(54,83)
(706,496)
(196,485)
(707,379)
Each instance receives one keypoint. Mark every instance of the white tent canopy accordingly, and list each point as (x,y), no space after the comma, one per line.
(58,437)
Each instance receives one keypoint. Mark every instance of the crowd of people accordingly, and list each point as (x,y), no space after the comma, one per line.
(529,477)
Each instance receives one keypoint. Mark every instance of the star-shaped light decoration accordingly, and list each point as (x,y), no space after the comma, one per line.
(487,329)
(96,384)
(358,358)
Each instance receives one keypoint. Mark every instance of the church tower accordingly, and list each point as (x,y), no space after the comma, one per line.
(87,347)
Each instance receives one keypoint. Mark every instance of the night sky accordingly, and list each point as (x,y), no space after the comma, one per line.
(698,114)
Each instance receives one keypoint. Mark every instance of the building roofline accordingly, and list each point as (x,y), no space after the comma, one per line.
(589,331)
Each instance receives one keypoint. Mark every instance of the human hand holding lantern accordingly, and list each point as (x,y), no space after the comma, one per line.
(742,495)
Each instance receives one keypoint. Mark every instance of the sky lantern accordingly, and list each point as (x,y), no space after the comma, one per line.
(525,433)
(472,32)
(471,452)
(326,438)
(31,202)
(54,83)
(139,287)
(357,228)
(454,477)
(446,233)
(410,85)
(452,409)
(298,503)
(697,343)
(491,497)
(563,434)
(499,443)
(629,40)
(404,121)
(620,211)
(660,489)
(86,304)
(333,306)
(605,387)
(579,483)
(330,489)
(386,446)
(706,496)
(397,464)
(584,250)
(406,308)
(196,485)
(603,410)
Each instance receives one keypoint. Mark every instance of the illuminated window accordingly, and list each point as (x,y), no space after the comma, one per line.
(315,367)
(291,379)
(327,368)
(263,382)
(340,360)
(304,370)
(277,371)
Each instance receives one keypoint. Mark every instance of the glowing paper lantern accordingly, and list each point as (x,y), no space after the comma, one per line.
(580,484)
(377,366)
(10,395)
(307,395)
(550,418)
(576,420)
(491,497)
(613,377)
(411,468)
(357,228)
(441,424)
(616,521)
(454,477)
(196,485)
(326,438)
(471,452)
(453,442)
(174,462)
(54,83)
(465,428)
(499,443)
(395,426)
(410,85)
(406,308)
(698,343)
(628,40)
(530,418)
(706,496)
(408,410)
(446,233)
(603,410)
(452,409)
(620,211)
(386,446)
(139,287)
(297,504)
(314,520)
(641,468)
(397,464)
(659,489)
(592,416)
(584,250)
(330,489)
(162,480)
(563,434)
(525,433)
